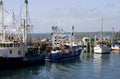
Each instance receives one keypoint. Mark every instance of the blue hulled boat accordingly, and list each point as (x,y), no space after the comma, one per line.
(57,54)
(63,46)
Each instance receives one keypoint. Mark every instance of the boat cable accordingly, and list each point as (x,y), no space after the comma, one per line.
(10,15)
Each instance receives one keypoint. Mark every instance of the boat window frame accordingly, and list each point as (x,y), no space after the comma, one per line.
(1,45)
(16,44)
(11,45)
(4,45)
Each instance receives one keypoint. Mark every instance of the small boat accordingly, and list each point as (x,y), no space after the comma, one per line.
(115,46)
(17,51)
(62,48)
(102,48)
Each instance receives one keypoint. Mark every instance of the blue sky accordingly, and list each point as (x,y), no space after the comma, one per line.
(85,15)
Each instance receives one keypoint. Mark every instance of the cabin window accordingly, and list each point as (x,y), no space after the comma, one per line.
(7,45)
(18,45)
(11,45)
(0,45)
(10,51)
(4,45)
(86,39)
(15,45)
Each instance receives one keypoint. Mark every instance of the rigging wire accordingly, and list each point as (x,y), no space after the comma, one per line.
(10,15)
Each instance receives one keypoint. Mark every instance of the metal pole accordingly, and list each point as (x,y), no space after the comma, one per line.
(1,19)
(26,13)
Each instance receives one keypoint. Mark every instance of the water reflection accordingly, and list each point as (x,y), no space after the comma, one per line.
(115,51)
(55,70)
(86,56)
(22,73)
(64,69)
(101,64)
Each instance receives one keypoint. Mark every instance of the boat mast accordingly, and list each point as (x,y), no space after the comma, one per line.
(53,36)
(72,35)
(25,22)
(13,17)
(13,23)
(1,19)
(113,35)
(102,29)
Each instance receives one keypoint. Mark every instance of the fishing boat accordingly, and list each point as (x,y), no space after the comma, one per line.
(100,45)
(16,51)
(102,48)
(63,45)
(115,46)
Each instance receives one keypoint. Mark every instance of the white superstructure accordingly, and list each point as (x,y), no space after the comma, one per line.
(11,46)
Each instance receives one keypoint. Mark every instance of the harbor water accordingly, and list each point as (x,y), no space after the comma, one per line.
(96,66)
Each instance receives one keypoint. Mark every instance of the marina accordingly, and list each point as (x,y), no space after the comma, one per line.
(62,51)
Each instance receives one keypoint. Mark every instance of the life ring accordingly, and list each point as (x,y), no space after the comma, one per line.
(19,52)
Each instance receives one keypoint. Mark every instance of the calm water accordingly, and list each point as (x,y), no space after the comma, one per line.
(98,66)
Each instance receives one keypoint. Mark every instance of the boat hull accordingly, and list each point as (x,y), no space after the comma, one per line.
(60,56)
(115,48)
(102,50)
(6,63)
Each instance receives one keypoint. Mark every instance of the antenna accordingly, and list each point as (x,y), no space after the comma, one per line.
(113,34)
(13,17)
(72,34)
(102,28)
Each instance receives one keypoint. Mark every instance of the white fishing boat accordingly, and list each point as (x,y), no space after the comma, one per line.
(100,46)
(14,50)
